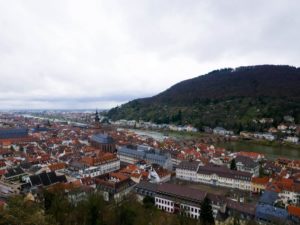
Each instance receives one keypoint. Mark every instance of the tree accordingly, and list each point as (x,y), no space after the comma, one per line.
(206,213)
(236,219)
(126,215)
(23,212)
(94,209)
(251,222)
(261,171)
(148,202)
(233,165)
(56,205)
(177,118)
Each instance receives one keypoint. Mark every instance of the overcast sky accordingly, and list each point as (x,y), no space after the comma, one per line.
(99,54)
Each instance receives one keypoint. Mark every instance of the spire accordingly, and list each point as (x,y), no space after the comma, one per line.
(97,119)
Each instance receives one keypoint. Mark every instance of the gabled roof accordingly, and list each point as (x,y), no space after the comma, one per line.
(46,179)
(273,187)
(189,165)
(260,180)
(14,172)
(253,155)
(224,172)
(178,191)
(246,161)
(147,186)
(35,180)
(57,166)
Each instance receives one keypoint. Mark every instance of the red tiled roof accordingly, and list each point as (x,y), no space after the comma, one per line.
(136,175)
(250,154)
(2,172)
(2,164)
(101,158)
(145,174)
(18,140)
(6,142)
(294,211)
(273,187)
(260,180)
(119,176)
(57,166)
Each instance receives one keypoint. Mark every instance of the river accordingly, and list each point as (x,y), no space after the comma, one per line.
(271,152)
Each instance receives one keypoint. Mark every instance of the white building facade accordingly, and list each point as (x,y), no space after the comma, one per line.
(215,175)
(105,167)
(188,170)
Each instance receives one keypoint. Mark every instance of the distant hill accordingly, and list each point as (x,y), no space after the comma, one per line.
(228,97)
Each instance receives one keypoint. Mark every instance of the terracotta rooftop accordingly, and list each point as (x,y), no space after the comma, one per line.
(294,211)
(260,180)
(253,155)
(119,176)
(57,166)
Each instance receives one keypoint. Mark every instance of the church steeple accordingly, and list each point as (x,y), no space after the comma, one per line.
(97,119)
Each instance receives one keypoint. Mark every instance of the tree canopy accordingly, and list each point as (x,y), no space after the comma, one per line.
(206,213)
(233,165)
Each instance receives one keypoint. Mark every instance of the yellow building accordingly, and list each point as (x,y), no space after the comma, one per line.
(258,185)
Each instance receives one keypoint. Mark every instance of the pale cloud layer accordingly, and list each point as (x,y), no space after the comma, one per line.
(98,54)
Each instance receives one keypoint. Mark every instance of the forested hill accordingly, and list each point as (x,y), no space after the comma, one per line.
(228,97)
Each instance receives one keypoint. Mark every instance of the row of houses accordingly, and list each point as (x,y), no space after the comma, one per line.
(222,131)
(269,136)
(287,189)
(150,125)
(213,175)
(176,199)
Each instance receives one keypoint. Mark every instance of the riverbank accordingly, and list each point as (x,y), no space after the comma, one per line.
(275,144)
(271,150)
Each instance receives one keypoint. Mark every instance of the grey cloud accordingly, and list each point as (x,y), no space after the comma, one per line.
(97,54)
(116,98)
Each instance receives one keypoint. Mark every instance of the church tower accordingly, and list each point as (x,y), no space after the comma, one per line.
(97,120)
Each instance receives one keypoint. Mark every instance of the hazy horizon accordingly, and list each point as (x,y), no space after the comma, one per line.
(100,54)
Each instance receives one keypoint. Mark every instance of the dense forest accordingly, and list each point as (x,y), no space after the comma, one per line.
(231,98)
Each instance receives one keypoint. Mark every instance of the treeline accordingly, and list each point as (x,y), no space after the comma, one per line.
(236,114)
(55,208)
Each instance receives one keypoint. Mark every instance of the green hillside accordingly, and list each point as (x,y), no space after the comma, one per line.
(231,98)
